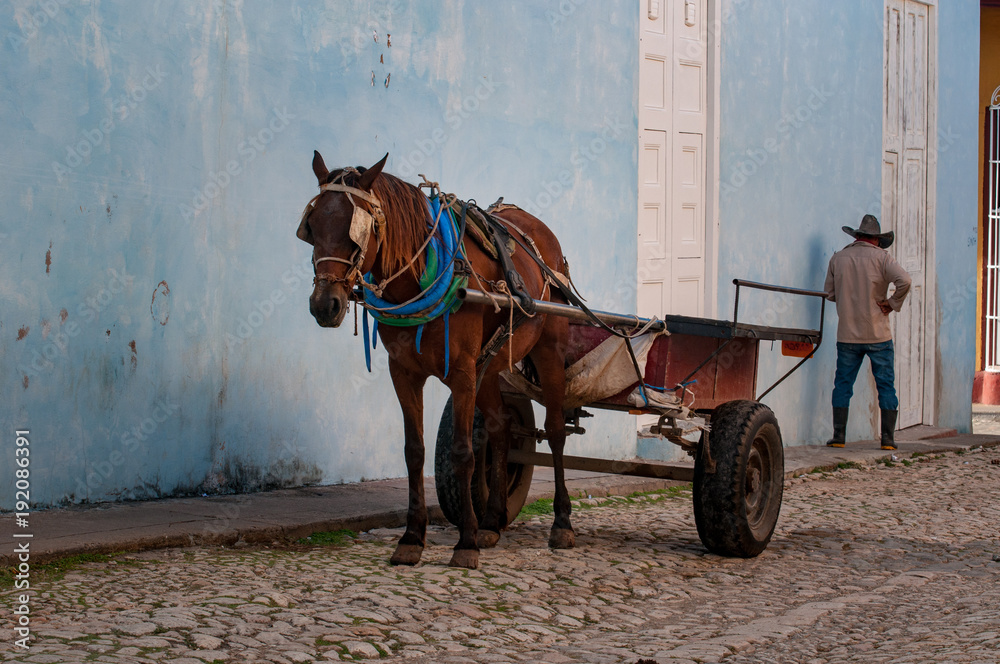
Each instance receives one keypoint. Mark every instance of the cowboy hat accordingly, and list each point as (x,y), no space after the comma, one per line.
(870,228)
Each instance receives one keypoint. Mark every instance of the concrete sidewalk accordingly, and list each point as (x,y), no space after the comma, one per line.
(293,513)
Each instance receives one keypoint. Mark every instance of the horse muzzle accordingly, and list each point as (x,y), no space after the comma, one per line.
(327,306)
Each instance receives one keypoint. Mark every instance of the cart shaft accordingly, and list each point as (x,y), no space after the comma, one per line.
(637,468)
(558,309)
(675,324)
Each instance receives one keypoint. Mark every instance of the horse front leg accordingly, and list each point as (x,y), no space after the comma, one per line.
(463,390)
(410,392)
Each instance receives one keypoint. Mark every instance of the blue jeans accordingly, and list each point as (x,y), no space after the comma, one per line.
(849,358)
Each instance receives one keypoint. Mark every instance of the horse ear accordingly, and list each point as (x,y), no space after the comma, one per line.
(368,177)
(319,168)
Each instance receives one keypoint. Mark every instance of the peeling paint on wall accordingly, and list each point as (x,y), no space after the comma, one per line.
(159,305)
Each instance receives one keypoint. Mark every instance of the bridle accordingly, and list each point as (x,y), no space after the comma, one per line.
(362,225)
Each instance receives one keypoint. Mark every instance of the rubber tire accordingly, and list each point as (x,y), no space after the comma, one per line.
(736,508)
(518,475)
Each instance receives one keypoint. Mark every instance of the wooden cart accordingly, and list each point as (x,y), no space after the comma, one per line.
(738,472)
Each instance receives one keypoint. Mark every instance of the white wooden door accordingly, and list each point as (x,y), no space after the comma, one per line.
(904,187)
(673,117)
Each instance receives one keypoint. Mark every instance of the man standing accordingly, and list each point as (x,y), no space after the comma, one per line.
(858,280)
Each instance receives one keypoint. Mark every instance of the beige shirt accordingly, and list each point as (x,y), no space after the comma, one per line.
(857,280)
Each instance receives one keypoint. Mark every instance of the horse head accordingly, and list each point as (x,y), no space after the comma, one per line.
(343,223)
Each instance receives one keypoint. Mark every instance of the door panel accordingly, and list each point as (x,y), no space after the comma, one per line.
(672,163)
(904,188)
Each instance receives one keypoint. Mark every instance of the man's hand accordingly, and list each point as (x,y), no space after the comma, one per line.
(884,306)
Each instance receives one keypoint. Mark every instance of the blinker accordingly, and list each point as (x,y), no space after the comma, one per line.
(361,227)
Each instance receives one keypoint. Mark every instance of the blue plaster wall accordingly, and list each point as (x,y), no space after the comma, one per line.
(154,330)
(801,154)
(957,216)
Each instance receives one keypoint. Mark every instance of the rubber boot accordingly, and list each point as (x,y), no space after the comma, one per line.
(888,429)
(839,427)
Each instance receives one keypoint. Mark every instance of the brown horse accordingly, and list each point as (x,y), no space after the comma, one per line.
(365,221)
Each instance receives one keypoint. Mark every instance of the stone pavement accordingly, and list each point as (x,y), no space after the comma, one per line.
(289,514)
(896,560)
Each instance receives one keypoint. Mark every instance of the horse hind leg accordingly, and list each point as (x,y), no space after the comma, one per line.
(562,535)
(463,390)
(409,390)
(552,376)
(497,425)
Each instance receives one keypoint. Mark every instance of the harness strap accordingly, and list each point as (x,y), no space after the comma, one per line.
(499,235)
(572,298)
(360,193)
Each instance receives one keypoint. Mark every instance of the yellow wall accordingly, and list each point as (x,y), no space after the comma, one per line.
(989,80)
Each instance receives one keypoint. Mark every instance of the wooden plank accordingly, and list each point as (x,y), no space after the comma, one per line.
(652,469)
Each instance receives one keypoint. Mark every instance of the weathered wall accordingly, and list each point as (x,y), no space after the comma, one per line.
(154,330)
(957,211)
(802,156)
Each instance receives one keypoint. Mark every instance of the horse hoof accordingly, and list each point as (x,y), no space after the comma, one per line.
(406,554)
(467,558)
(487,539)
(562,538)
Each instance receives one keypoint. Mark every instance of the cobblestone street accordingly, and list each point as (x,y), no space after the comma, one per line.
(894,562)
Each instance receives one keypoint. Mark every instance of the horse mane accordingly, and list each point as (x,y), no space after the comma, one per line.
(406,221)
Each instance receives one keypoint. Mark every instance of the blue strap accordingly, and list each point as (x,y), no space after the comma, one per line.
(432,301)
(368,353)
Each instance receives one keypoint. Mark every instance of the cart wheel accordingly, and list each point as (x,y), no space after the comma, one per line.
(736,506)
(518,475)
